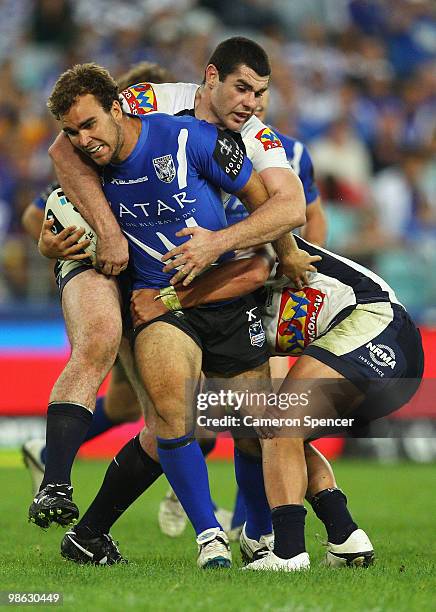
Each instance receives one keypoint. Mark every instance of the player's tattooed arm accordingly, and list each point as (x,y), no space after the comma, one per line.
(81,183)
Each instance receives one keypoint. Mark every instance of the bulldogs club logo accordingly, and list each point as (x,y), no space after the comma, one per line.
(269,139)
(297,322)
(165,168)
(257,334)
(141,99)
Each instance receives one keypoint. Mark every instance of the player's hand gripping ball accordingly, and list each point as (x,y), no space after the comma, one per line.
(65,215)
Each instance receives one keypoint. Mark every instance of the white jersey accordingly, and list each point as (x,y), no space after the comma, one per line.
(293,318)
(262,146)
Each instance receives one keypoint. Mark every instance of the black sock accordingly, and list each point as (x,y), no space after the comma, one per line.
(207,445)
(130,473)
(288,525)
(67,426)
(330,507)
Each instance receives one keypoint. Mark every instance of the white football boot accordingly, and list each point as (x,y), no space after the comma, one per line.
(235,533)
(31,451)
(213,549)
(356,551)
(251,550)
(224,518)
(269,562)
(171,516)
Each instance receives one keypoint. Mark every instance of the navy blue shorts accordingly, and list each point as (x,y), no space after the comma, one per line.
(379,349)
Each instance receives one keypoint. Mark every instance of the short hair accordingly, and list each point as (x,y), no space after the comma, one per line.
(236,51)
(144,72)
(80,80)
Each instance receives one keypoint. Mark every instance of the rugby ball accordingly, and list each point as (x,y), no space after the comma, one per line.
(64,213)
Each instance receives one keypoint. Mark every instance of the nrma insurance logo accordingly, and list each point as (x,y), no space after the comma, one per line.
(382,355)
(297,322)
(141,99)
(269,139)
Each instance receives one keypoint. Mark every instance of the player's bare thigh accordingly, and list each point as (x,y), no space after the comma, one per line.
(121,401)
(318,391)
(169,364)
(93,319)
(92,313)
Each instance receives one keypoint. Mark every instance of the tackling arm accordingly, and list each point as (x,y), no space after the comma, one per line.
(82,185)
(270,218)
(229,280)
(315,230)
(32,220)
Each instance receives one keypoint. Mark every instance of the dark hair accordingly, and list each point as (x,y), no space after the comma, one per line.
(144,72)
(236,51)
(80,80)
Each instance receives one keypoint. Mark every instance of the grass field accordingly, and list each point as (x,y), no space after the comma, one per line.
(393,503)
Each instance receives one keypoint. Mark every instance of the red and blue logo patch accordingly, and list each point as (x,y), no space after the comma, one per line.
(269,139)
(141,99)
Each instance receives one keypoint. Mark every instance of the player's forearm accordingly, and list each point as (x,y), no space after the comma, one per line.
(82,185)
(273,219)
(32,220)
(231,279)
(315,229)
(285,245)
(276,202)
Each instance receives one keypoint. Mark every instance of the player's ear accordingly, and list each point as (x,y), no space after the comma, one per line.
(211,75)
(116,110)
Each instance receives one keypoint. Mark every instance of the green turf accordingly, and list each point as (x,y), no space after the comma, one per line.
(393,503)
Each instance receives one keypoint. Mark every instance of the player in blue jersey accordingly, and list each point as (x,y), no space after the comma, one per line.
(89,298)
(120,404)
(173,157)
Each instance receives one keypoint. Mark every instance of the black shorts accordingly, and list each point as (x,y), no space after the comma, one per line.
(231,336)
(379,349)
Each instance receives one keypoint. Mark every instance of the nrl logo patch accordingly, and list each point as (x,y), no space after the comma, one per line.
(165,168)
(257,334)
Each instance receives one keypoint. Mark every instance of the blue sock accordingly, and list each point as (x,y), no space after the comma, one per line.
(207,445)
(100,421)
(249,476)
(186,471)
(100,424)
(238,517)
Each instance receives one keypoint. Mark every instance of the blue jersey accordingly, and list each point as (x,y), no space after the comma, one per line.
(301,162)
(171,180)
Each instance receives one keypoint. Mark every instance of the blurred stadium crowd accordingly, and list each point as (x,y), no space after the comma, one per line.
(353,79)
